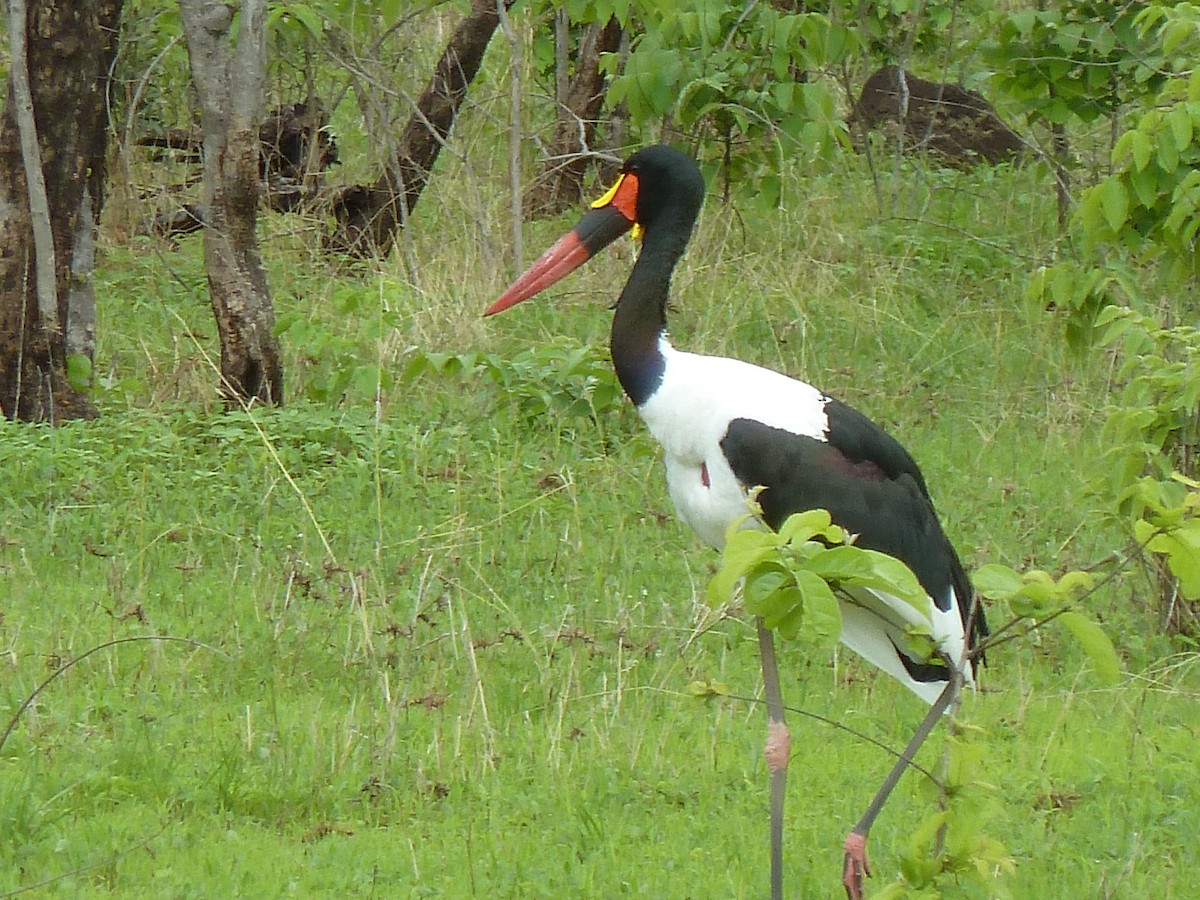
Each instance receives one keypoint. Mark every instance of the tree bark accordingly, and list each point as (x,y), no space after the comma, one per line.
(53,139)
(559,186)
(230,78)
(368,216)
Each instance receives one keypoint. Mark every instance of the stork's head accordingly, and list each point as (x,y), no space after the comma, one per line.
(658,192)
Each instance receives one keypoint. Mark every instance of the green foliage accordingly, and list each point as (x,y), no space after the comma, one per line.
(1146,213)
(292,20)
(791,579)
(153,66)
(308,18)
(346,360)
(1150,204)
(792,575)
(79,371)
(558,378)
(731,75)
(1073,62)
(1172,531)
(893,29)
(1153,432)
(1038,597)
(1152,428)
(949,851)
(1080,291)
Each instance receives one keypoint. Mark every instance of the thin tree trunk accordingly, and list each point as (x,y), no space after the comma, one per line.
(516,89)
(230,79)
(559,186)
(53,139)
(1060,148)
(368,216)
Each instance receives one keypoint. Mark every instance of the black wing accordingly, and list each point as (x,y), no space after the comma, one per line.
(871,487)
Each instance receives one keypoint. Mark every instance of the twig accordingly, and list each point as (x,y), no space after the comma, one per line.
(107,861)
(12,723)
(840,726)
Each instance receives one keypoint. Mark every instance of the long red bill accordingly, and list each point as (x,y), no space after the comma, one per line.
(595,231)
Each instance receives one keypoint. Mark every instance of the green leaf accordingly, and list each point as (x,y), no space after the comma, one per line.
(1168,152)
(1142,149)
(302,13)
(1175,33)
(1180,545)
(783,94)
(792,607)
(744,550)
(996,582)
(708,689)
(79,371)
(821,610)
(650,83)
(1095,644)
(1075,582)
(1115,201)
(804,526)
(1180,121)
(850,566)
(1090,212)
(1145,186)
(1023,21)
(765,583)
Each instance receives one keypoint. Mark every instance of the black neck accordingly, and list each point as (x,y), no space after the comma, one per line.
(641,315)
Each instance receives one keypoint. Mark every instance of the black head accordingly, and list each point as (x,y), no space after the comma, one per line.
(669,186)
(659,194)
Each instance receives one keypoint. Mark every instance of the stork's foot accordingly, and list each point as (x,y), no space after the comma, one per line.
(855,865)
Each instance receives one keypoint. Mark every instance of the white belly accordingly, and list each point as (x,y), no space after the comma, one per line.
(690,414)
(709,509)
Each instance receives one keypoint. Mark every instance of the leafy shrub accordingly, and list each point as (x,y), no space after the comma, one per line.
(1140,221)
(740,76)
(560,379)
(1150,470)
(339,363)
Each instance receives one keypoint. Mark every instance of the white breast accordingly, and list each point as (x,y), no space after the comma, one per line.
(690,413)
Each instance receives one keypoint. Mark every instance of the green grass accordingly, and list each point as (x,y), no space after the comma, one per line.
(440,640)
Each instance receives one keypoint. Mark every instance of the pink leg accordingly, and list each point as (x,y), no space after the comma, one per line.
(777,752)
(855,865)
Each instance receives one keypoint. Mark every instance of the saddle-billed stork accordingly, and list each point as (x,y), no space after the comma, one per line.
(728,427)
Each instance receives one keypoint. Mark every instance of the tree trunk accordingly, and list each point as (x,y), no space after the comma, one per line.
(369,215)
(559,186)
(230,81)
(52,152)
